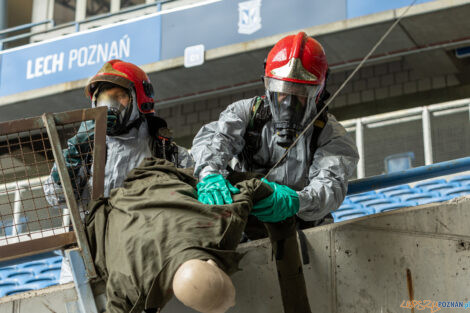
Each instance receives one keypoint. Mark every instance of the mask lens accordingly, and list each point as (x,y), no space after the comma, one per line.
(288,108)
(111,101)
(118,103)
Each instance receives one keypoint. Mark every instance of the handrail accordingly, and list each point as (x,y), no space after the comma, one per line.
(443,106)
(385,119)
(408,176)
(24,26)
(106,15)
(73,23)
(21,184)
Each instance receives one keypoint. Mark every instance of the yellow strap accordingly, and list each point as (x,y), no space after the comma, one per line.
(319,123)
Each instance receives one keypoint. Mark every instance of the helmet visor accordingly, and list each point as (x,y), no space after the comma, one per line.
(281,86)
(119,104)
(288,110)
(300,106)
(111,101)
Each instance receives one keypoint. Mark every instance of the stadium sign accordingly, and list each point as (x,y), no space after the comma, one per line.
(80,55)
(168,34)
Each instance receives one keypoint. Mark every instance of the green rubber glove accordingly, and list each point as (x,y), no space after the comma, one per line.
(281,204)
(215,189)
(77,147)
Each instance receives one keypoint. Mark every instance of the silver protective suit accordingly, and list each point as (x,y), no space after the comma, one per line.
(124,153)
(321,182)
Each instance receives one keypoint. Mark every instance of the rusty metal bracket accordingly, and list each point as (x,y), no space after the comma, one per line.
(99,152)
(50,125)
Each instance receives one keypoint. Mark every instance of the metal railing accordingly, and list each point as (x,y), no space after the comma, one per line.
(29,148)
(408,176)
(420,113)
(73,23)
(24,26)
(19,190)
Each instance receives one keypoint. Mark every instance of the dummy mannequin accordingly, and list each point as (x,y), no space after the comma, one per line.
(203,286)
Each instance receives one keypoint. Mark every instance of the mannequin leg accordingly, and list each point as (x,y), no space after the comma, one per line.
(203,286)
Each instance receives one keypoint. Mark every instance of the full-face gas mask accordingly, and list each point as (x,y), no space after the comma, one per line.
(120,107)
(292,106)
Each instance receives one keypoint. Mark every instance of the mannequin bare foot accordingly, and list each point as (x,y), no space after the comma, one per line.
(203,286)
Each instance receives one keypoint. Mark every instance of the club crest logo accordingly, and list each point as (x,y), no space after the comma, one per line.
(249,17)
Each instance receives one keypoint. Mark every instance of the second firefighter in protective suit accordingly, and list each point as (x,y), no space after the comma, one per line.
(133,132)
(312,181)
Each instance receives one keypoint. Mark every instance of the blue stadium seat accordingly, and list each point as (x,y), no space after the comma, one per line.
(21,276)
(431,200)
(6,286)
(51,276)
(40,284)
(375,202)
(386,191)
(35,267)
(349,206)
(38,280)
(402,192)
(5,271)
(346,200)
(55,271)
(463,180)
(34,274)
(430,182)
(393,206)
(15,290)
(350,214)
(439,187)
(358,199)
(419,196)
(32,264)
(54,260)
(8,283)
(456,191)
(3,291)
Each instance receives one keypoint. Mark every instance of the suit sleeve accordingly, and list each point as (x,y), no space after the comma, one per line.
(218,142)
(334,162)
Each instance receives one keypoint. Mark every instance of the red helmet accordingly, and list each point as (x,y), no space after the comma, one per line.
(296,65)
(294,78)
(128,76)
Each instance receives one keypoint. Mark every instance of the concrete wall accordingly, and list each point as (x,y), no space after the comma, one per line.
(371,264)
(387,81)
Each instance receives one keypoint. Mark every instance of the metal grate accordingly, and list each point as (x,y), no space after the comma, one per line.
(40,211)
(25,159)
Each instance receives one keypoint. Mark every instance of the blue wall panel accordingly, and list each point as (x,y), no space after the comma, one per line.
(364,7)
(158,37)
(217,24)
(79,56)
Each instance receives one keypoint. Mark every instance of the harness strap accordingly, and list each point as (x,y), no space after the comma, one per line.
(291,279)
(259,116)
